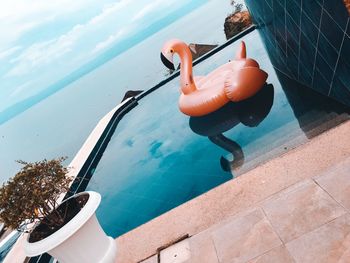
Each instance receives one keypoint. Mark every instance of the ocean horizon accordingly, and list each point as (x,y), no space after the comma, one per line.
(113,51)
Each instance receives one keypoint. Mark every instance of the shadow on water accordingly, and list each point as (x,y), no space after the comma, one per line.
(250,112)
(315,112)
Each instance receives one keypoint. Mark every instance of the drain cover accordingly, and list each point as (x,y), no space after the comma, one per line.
(177,253)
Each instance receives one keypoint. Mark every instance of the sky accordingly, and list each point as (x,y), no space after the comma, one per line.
(45,45)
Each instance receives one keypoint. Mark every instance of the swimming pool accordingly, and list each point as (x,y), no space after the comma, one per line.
(159,158)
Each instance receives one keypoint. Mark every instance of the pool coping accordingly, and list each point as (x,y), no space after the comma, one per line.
(228,199)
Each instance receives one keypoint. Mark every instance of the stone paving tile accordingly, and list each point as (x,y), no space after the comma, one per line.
(337,183)
(153,259)
(202,249)
(328,244)
(177,253)
(277,255)
(299,209)
(245,237)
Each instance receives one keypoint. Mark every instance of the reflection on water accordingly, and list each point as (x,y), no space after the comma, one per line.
(233,148)
(308,104)
(250,112)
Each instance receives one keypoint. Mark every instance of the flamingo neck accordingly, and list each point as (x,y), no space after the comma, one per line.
(186,76)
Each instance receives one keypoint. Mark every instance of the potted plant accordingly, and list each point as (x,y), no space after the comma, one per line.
(68,231)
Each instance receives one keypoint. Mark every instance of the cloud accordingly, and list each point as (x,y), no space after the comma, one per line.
(8,52)
(19,89)
(22,9)
(42,53)
(109,41)
(83,38)
(149,8)
(20,16)
(109,10)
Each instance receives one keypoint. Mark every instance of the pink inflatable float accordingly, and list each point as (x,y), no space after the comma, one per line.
(233,81)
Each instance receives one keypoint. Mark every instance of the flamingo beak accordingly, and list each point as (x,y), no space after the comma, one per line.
(167,60)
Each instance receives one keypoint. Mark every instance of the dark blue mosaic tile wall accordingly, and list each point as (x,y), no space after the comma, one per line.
(309,41)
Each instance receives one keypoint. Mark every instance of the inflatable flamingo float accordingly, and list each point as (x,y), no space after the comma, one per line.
(234,81)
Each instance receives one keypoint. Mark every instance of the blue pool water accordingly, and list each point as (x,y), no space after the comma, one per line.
(159,158)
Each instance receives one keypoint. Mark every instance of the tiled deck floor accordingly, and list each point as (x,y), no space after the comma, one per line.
(306,222)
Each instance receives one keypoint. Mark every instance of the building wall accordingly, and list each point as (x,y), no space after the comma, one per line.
(308,40)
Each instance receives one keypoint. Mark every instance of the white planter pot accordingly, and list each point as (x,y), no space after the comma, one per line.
(81,240)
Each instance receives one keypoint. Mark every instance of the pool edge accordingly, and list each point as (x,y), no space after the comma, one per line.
(306,161)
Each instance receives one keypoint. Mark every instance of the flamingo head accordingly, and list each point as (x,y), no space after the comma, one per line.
(169,49)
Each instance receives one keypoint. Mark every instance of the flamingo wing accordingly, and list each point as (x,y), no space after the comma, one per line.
(244,83)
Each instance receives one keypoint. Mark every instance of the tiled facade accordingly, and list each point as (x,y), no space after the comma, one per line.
(309,41)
